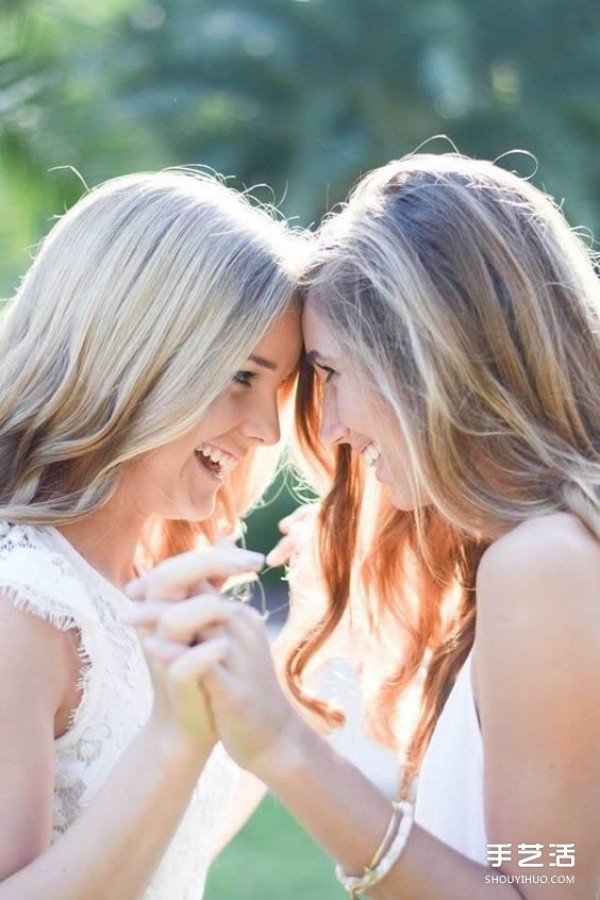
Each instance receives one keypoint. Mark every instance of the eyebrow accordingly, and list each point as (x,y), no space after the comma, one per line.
(265,363)
(313,357)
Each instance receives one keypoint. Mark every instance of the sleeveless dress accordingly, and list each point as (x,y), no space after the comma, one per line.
(449,801)
(44,575)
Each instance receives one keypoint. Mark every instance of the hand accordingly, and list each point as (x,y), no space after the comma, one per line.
(308,602)
(177,705)
(232,665)
(189,573)
(307,589)
(179,708)
(298,529)
(307,592)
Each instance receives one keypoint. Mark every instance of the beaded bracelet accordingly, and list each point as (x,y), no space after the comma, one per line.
(377,870)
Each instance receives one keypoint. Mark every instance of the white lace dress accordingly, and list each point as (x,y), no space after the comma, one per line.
(450,785)
(44,575)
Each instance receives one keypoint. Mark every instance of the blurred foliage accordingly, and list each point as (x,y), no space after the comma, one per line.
(300,94)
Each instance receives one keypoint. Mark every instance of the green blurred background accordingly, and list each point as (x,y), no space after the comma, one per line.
(300,94)
(303,96)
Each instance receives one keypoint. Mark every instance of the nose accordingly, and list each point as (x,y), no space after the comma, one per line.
(263,425)
(331,430)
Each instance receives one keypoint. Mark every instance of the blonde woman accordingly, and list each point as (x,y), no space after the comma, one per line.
(453,324)
(144,364)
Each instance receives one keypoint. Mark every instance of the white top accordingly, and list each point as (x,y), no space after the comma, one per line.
(450,784)
(44,575)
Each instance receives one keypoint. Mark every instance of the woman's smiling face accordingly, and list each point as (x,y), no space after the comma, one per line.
(180,479)
(357,415)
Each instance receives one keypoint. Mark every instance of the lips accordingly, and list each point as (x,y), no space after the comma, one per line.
(221,458)
(215,461)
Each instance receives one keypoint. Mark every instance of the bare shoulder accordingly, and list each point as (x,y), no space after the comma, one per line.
(536,671)
(558,537)
(35,674)
(34,654)
(544,573)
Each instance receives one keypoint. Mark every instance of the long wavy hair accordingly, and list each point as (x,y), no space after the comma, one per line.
(461,296)
(142,302)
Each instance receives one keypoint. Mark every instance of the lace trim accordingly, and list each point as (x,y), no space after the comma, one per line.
(42,575)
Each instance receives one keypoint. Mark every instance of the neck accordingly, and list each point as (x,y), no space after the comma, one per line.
(107,539)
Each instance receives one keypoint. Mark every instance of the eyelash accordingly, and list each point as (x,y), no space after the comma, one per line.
(244,378)
(330,372)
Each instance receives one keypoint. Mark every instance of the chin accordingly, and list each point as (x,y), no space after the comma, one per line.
(403,505)
(202,511)
(406,504)
(403,501)
(193,511)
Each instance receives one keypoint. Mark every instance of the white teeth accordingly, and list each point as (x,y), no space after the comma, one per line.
(226,461)
(371,454)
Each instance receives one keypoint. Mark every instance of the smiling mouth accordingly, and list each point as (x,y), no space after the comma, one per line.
(216,462)
(213,468)
(371,454)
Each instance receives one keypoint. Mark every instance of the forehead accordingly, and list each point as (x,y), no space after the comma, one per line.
(317,333)
(282,343)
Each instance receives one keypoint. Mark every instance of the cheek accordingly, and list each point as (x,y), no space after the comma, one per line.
(222,413)
(356,410)
(346,409)
(398,458)
(164,469)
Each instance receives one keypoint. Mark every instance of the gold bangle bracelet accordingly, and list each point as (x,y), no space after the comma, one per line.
(387,838)
(356,885)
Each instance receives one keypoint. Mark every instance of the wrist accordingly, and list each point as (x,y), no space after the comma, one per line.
(287,756)
(175,746)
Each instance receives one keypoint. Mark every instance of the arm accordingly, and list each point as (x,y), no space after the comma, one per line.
(31,691)
(538,671)
(113,848)
(338,805)
(538,668)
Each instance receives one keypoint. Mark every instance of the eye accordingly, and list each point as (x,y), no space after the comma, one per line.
(244,378)
(329,372)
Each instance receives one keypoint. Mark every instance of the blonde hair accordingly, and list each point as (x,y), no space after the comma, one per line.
(141,304)
(463,298)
